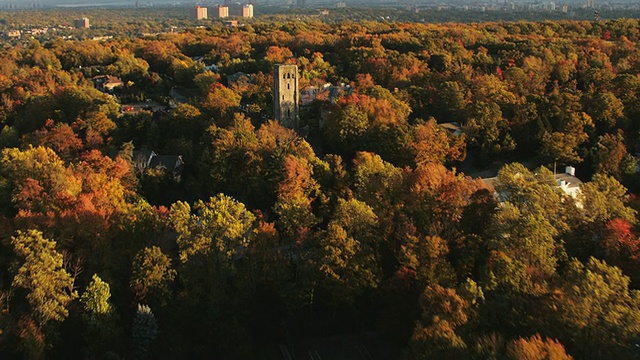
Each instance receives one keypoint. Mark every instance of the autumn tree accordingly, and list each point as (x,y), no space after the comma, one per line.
(435,335)
(219,103)
(433,144)
(46,286)
(347,252)
(99,316)
(599,311)
(488,130)
(620,247)
(536,348)
(152,276)
(296,191)
(609,155)
(210,237)
(603,199)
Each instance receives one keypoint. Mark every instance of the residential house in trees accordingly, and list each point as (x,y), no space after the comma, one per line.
(147,159)
(567,182)
(239,79)
(106,83)
(231,23)
(173,164)
(453,128)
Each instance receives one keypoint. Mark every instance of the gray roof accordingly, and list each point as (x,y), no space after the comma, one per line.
(169,162)
(572,181)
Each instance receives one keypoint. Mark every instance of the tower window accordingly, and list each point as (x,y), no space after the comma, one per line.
(288,86)
(288,76)
(284,76)
(282,97)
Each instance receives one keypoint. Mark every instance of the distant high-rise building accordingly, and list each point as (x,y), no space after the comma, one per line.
(243,10)
(201,12)
(247,10)
(220,12)
(285,95)
(82,23)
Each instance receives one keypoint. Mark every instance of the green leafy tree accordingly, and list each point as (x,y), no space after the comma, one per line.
(345,129)
(562,145)
(488,130)
(526,238)
(606,108)
(603,198)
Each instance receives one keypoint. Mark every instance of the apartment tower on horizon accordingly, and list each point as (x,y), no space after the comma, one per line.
(82,23)
(201,12)
(220,12)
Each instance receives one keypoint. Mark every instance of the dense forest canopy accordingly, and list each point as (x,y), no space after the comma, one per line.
(135,223)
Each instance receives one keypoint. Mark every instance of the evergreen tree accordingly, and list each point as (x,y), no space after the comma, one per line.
(143,331)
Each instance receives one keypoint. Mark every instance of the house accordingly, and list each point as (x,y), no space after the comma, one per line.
(240,80)
(231,23)
(453,128)
(106,83)
(147,159)
(142,158)
(12,33)
(327,92)
(567,182)
(177,96)
(169,163)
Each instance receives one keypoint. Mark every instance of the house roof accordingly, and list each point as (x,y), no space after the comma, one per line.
(571,181)
(452,127)
(113,81)
(489,183)
(169,162)
(239,77)
(565,181)
(144,155)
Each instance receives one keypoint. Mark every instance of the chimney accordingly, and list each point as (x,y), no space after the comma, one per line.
(570,170)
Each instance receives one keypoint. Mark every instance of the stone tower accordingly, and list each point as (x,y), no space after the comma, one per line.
(285,95)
